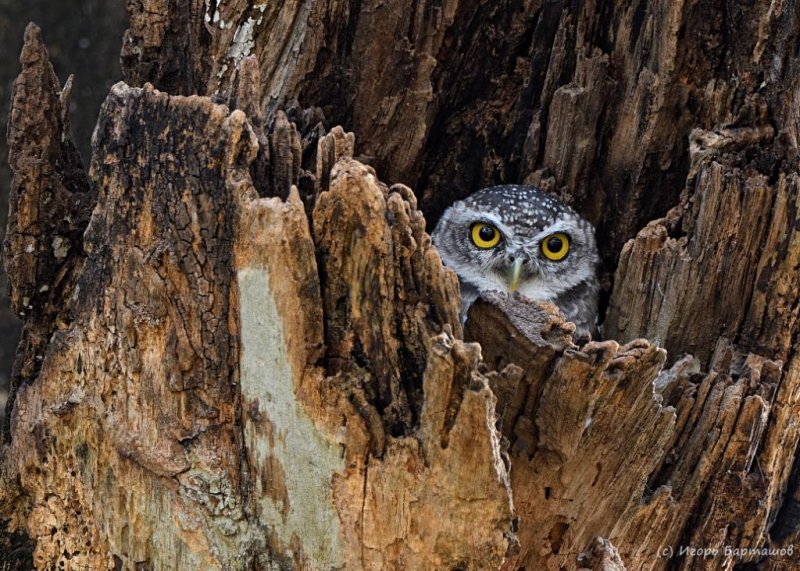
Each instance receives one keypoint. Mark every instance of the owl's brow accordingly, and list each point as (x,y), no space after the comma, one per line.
(559,226)
(479,217)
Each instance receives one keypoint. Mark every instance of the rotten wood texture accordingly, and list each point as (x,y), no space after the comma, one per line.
(594,101)
(682,113)
(605,442)
(721,264)
(50,204)
(253,356)
(721,269)
(240,387)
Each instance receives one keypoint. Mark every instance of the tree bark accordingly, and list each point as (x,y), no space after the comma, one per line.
(241,350)
(89,48)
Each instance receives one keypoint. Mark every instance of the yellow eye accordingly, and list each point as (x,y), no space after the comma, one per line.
(556,246)
(485,235)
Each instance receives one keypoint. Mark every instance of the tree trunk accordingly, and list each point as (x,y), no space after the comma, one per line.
(241,351)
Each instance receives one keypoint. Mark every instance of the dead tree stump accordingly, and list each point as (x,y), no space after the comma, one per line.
(241,350)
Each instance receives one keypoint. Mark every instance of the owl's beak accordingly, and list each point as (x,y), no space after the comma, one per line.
(514,274)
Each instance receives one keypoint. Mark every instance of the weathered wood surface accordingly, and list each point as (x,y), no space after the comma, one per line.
(50,204)
(230,248)
(723,263)
(594,101)
(85,40)
(211,401)
(604,441)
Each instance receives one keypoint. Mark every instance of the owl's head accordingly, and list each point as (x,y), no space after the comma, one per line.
(517,238)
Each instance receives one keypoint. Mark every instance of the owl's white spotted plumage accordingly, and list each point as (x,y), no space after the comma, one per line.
(517,238)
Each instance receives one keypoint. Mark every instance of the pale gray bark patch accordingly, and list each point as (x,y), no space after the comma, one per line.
(308,458)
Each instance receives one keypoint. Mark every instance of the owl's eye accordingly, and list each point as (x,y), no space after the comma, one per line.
(485,235)
(555,246)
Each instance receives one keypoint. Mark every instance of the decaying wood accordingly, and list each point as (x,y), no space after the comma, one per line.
(249,356)
(239,410)
(724,264)
(606,442)
(591,100)
(51,201)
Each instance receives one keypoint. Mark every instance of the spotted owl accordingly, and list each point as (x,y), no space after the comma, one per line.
(517,238)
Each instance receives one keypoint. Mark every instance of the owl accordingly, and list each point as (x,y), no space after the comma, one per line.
(517,238)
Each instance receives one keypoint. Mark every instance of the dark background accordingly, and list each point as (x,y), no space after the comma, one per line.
(84,38)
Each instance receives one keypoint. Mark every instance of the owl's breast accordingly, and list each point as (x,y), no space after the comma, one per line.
(539,291)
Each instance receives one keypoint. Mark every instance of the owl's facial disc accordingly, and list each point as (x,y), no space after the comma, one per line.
(532,262)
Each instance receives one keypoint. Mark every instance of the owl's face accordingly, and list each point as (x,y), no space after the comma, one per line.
(517,238)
